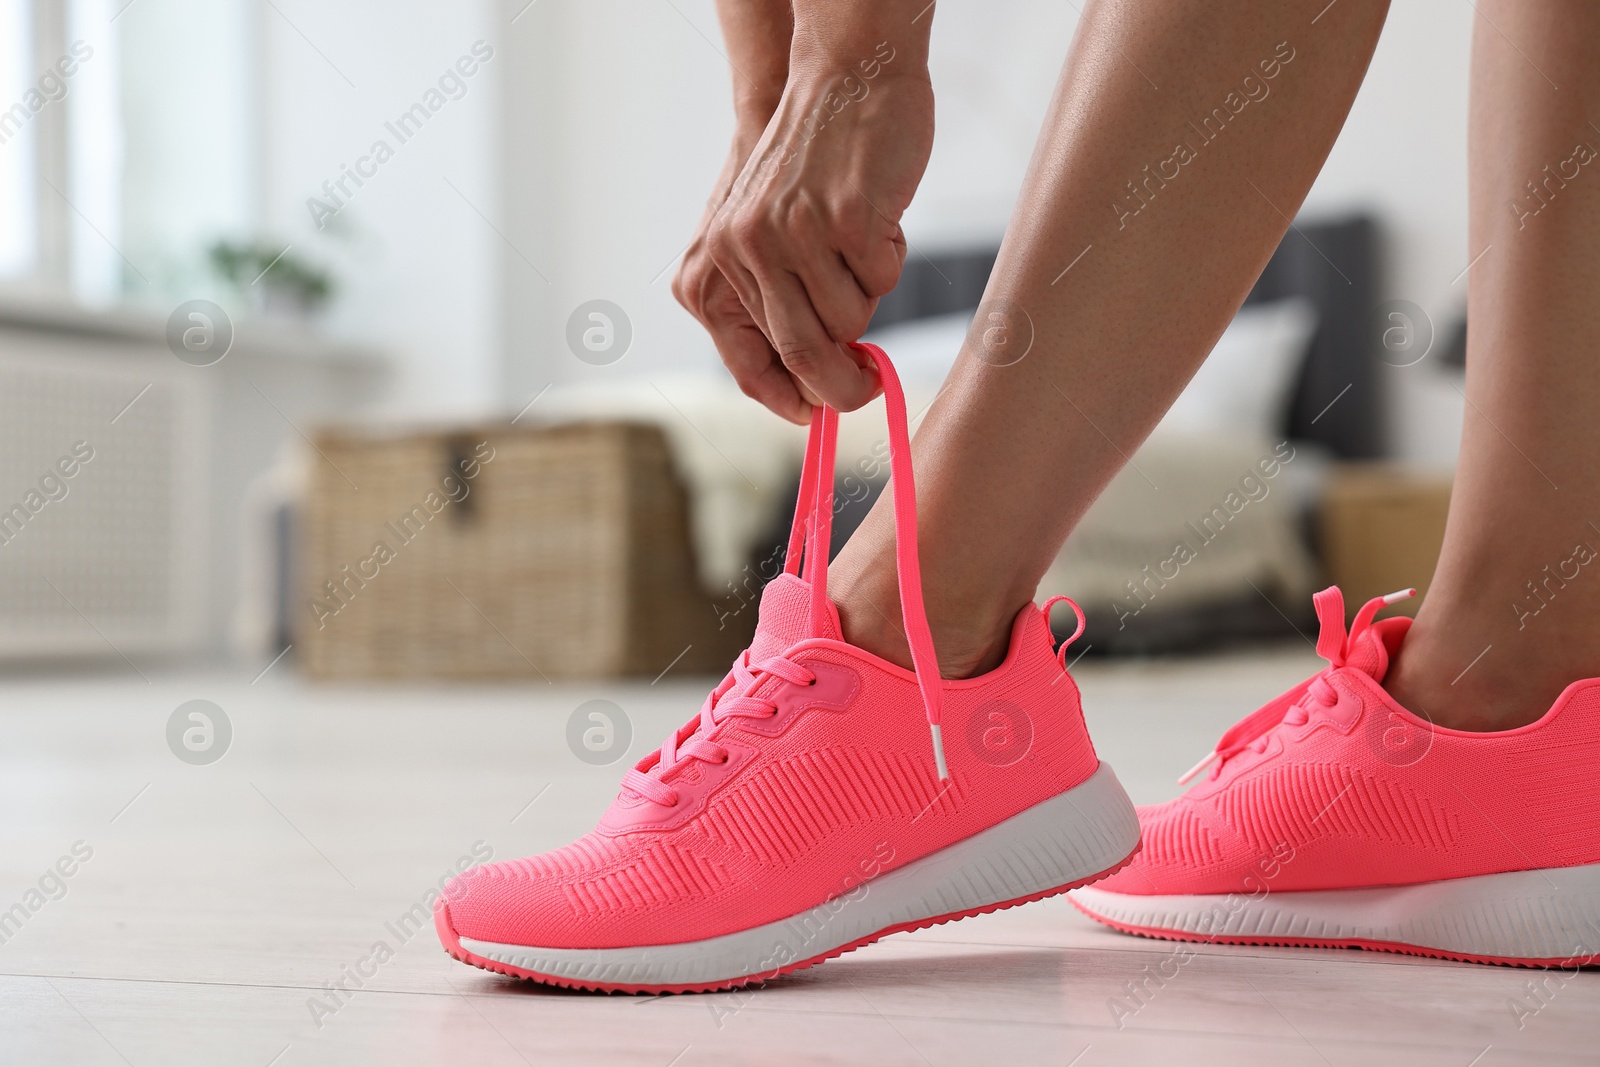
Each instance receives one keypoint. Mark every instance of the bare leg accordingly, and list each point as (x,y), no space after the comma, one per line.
(1009,457)
(1526,504)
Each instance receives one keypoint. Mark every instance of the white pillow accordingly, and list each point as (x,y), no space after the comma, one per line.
(1243,387)
(1246,382)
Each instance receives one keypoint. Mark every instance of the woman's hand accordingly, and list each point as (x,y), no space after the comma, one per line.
(809,235)
(801,235)
(700,286)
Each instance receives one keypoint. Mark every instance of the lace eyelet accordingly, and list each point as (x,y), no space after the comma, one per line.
(813,681)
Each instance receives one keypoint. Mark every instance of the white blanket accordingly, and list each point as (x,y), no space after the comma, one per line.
(1207,492)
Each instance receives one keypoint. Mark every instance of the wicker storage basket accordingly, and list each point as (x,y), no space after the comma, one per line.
(502,553)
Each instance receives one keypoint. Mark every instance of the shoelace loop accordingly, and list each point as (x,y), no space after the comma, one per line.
(811,535)
(810,539)
(1334,645)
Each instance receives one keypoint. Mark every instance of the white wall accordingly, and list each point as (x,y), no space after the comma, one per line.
(618,121)
(618,117)
(417,263)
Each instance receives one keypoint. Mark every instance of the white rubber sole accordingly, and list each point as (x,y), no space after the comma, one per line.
(1074,837)
(1547,917)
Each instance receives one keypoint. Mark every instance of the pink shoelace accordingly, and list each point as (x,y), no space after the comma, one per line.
(719,706)
(811,537)
(1294,708)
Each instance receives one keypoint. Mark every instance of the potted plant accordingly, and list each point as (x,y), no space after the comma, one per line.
(272,279)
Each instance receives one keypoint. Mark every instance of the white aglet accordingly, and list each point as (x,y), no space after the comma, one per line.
(1190,774)
(938,752)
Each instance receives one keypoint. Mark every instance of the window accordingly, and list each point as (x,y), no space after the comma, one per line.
(60,147)
(19,247)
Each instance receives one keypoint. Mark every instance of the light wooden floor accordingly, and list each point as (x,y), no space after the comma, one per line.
(219,899)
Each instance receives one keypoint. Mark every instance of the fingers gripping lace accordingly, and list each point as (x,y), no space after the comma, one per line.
(731,699)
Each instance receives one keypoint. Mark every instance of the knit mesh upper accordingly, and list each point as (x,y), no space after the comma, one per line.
(835,796)
(1360,792)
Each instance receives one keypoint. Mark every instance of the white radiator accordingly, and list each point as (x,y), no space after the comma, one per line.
(103,481)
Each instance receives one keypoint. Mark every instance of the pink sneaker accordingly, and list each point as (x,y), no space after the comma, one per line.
(1334,817)
(803,812)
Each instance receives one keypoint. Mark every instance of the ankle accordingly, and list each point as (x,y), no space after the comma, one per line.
(970,639)
(1460,677)
(1484,704)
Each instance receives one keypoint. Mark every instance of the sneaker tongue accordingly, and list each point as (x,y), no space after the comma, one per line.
(786,618)
(1373,652)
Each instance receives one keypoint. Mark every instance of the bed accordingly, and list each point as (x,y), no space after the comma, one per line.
(1233,472)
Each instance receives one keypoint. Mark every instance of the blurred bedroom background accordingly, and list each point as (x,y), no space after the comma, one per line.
(343,333)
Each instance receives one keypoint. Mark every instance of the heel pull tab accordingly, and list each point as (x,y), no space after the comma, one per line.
(1061,649)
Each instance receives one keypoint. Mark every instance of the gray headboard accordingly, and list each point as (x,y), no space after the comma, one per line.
(1332,263)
